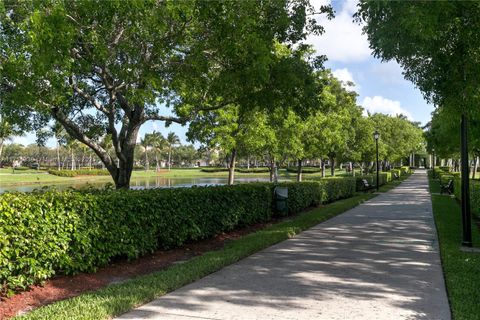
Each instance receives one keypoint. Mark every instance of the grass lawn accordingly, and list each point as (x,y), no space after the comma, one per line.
(119,298)
(42,178)
(461,269)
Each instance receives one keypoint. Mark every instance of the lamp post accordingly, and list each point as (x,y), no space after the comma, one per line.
(376,135)
(433,162)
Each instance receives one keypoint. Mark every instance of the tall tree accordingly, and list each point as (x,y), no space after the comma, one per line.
(171,142)
(107,67)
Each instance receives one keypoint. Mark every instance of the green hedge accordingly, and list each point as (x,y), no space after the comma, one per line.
(384,177)
(80,172)
(70,231)
(253,170)
(241,170)
(306,170)
(45,233)
(474,193)
(309,193)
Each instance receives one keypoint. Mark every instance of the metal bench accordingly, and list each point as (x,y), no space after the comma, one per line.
(448,187)
(367,186)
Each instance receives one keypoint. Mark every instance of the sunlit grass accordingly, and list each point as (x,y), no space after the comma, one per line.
(461,269)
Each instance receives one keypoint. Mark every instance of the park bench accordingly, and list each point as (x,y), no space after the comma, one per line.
(448,187)
(395,176)
(367,186)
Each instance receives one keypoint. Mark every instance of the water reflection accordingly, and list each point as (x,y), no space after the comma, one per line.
(136,183)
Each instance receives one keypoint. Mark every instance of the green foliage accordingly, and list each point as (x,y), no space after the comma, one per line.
(304,169)
(45,233)
(310,193)
(79,172)
(460,268)
(384,177)
(241,170)
(118,298)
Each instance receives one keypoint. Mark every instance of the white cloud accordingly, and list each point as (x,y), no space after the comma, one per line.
(343,39)
(389,72)
(346,76)
(379,104)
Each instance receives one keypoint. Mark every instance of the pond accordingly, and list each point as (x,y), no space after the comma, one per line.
(136,183)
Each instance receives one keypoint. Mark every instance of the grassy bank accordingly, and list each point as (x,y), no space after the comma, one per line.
(42,178)
(119,298)
(461,269)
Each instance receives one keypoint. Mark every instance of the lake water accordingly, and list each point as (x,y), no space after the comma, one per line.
(136,183)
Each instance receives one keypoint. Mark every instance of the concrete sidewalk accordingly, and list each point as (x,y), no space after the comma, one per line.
(379,260)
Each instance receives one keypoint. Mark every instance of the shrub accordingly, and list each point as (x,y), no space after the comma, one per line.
(253,170)
(384,178)
(49,232)
(305,194)
(71,231)
(444,168)
(80,172)
(213,169)
(241,170)
(306,170)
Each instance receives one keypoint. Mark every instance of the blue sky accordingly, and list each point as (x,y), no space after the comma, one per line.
(381,86)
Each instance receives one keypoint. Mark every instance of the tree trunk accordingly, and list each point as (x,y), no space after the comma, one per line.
(1,149)
(332,166)
(323,168)
(231,169)
(72,160)
(299,171)
(272,169)
(147,164)
(475,165)
(58,156)
(157,166)
(169,158)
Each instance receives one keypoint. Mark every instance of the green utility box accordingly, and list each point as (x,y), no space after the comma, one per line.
(281,199)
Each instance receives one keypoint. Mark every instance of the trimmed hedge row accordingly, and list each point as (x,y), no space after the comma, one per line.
(45,233)
(241,170)
(304,169)
(384,177)
(80,172)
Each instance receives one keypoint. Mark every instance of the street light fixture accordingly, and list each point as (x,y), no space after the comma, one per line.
(433,162)
(376,136)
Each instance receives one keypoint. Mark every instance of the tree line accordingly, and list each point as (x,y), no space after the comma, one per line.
(238,72)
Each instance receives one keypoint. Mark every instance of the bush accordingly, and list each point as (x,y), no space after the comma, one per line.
(444,168)
(71,231)
(404,169)
(49,232)
(384,177)
(306,170)
(305,194)
(213,169)
(253,170)
(241,170)
(80,172)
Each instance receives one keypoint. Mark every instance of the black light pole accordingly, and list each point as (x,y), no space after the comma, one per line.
(433,162)
(376,135)
(466,216)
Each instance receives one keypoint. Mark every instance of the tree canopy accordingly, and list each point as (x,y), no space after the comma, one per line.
(105,68)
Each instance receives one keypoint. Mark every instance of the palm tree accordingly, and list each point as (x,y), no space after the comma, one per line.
(172,141)
(158,143)
(146,142)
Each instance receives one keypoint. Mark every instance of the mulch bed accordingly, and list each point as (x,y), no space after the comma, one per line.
(63,287)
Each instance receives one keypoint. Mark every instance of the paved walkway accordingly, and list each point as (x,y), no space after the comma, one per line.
(379,260)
